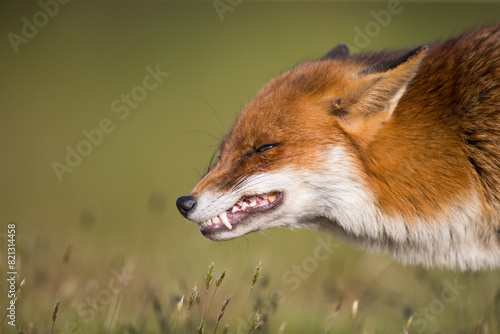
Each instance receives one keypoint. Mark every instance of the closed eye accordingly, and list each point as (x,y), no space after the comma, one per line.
(265,147)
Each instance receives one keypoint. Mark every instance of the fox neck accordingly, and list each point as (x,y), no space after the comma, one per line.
(358,215)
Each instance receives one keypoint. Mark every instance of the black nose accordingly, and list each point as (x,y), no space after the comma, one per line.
(184,204)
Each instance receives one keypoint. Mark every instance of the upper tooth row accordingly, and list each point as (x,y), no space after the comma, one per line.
(240,206)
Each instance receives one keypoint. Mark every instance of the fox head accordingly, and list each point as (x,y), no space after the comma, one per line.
(295,155)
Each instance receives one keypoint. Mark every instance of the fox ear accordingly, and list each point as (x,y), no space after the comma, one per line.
(379,89)
(341,51)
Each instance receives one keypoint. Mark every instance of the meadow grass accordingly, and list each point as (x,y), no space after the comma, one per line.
(144,308)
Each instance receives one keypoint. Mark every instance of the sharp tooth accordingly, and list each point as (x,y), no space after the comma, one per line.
(223,218)
(244,206)
(271,198)
(234,209)
(240,203)
(216,220)
(253,202)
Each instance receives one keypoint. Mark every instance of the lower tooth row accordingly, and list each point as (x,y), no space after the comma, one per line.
(222,218)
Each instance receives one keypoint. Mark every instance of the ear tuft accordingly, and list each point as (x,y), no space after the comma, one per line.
(382,87)
(341,51)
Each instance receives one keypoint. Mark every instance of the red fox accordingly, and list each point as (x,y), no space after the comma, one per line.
(395,151)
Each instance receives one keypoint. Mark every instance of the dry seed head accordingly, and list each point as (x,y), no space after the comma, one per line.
(257,273)
(179,305)
(257,322)
(221,279)
(20,288)
(56,309)
(193,296)
(336,306)
(354,310)
(408,324)
(54,316)
(223,309)
(209,276)
(201,327)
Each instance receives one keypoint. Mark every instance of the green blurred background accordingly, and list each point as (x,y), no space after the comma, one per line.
(116,209)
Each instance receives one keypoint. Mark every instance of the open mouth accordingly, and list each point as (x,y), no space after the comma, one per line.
(246,206)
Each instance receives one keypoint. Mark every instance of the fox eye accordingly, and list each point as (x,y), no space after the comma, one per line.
(265,147)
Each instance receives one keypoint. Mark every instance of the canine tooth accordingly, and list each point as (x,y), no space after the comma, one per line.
(271,198)
(223,218)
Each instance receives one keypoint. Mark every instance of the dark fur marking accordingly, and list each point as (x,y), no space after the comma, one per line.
(341,51)
(390,64)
